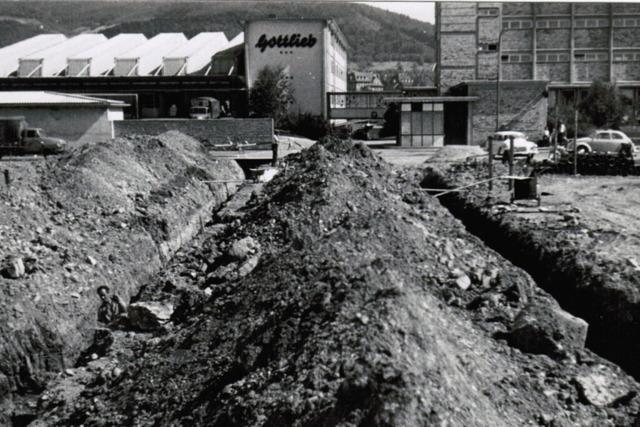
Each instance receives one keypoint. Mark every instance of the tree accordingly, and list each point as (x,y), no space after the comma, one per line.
(603,105)
(271,94)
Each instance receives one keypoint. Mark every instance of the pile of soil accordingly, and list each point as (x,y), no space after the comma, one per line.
(589,260)
(344,295)
(102,214)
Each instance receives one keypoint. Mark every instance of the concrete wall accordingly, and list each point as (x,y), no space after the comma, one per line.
(523,107)
(76,125)
(254,131)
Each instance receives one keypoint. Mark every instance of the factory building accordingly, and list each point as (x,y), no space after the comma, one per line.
(312,52)
(100,59)
(52,61)
(545,55)
(160,77)
(147,58)
(194,55)
(11,54)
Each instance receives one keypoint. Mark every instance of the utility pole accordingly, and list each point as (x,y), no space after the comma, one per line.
(575,133)
(498,77)
(490,164)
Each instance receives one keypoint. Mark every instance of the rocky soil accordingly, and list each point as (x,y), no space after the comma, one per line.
(103,214)
(342,294)
(582,245)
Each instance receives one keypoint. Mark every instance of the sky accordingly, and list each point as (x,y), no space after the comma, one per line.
(420,10)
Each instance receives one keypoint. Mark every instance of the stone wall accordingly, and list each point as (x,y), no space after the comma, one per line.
(253,131)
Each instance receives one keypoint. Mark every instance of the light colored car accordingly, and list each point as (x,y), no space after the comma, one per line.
(603,141)
(522,147)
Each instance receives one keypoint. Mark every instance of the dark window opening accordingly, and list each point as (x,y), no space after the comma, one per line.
(416,106)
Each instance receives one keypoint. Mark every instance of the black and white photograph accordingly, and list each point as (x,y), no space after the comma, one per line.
(319,213)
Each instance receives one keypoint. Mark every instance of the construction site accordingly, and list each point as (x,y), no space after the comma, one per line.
(340,290)
(169,259)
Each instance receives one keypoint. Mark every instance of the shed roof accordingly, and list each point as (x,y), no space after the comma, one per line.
(46,98)
(114,46)
(9,55)
(162,43)
(70,46)
(212,42)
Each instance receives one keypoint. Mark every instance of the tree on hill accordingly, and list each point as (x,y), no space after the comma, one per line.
(271,95)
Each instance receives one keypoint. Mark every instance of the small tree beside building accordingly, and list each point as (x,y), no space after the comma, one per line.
(271,95)
(603,105)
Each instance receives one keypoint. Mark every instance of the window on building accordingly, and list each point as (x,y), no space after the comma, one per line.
(504,58)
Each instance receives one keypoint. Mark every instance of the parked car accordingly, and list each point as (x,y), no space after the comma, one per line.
(603,141)
(522,147)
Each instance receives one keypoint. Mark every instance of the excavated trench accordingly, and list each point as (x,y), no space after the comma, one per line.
(610,308)
(161,204)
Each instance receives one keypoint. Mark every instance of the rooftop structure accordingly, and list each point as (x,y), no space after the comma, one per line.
(9,55)
(194,55)
(47,98)
(100,59)
(52,61)
(147,58)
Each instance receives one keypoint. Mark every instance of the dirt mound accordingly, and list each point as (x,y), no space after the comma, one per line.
(103,214)
(345,296)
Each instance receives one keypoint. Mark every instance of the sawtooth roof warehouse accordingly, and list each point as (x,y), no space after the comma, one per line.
(312,52)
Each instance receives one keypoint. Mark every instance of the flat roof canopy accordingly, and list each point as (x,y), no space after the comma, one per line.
(431,99)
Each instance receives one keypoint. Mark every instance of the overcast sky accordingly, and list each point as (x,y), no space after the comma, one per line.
(421,10)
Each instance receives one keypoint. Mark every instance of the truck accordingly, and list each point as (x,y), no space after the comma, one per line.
(204,108)
(18,138)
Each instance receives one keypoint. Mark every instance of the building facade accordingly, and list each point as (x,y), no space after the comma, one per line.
(312,52)
(566,45)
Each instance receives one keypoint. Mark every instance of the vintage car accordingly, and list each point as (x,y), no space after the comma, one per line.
(521,146)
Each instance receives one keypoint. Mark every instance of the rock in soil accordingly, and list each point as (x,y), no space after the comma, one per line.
(543,327)
(149,316)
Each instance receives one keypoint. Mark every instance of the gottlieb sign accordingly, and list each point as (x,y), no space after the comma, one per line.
(286,41)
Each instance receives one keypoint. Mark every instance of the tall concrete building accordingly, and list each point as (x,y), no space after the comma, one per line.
(544,54)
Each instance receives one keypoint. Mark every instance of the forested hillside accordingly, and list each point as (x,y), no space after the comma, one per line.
(374,34)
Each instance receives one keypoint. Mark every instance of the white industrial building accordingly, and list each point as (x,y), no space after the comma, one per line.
(194,55)
(147,57)
(53,60)
(10,55)
(100,60)
(312,51)
(75,118)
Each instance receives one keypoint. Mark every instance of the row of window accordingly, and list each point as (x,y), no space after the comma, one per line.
(566,23)
(626,56)
(578,57)
(488,11)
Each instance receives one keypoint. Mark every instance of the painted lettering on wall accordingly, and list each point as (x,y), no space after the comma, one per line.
(289,40)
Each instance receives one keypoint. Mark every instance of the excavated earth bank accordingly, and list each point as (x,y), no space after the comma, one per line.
(343,295)
(571,255)
(103,214)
